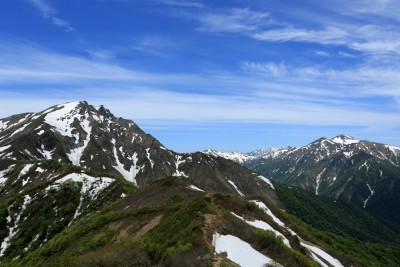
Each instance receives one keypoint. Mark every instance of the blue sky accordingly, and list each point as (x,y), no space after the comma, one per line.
(230,75)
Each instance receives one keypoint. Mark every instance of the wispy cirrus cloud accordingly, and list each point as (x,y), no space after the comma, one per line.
(354,30)
(239,20)
(329,35)
(49,12)
(265,68)
(285,96)
(189,4)
(321,53)
(155,45)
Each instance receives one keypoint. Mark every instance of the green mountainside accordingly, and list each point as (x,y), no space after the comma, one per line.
(170,224)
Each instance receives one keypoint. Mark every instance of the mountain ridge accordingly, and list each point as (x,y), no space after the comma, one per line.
(93,138)
(358,171)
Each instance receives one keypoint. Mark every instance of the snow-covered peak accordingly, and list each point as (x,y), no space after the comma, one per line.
(243,157)
(234,156)
(269,152)
(344,140)
(62,117)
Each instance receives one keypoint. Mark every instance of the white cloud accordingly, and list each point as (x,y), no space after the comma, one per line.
(330,35)
(155,45)
(285,96)
(356,30)
(46,10)
(62,24)
(348,55)
(50,13)
(321,53)
(271,68)
(102,55)
(242,20)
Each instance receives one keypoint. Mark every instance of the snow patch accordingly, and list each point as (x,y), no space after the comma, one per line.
(316,253)
(265,179)
(91,187)
(3,173)
(364,165)
(237,190)
(178,162)
(193,187)
(3,125)
(75,155)
(62,118)
(234,156)
(318,180)
(25,170)
(322,254)
(134,170)
(4,148)
(46,154)
(394,149)
(264,226)
(148,157)
(344,140)
(12,231)
(348,154)
(371,194)
(240,251)
(19,130)
(262,206)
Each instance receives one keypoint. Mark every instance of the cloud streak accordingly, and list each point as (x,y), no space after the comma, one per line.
(357,33)
(186,4)
(48,12)
(267,92)
(237,20)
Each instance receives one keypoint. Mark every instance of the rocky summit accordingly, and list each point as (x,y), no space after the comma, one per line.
(93,138)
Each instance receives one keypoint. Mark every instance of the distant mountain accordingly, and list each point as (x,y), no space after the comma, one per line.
(361,172)
(241,158)
(234,156)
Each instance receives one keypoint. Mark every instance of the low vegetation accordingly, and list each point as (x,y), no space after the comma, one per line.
(176,228)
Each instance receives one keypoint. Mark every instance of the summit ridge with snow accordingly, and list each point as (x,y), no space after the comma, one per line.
(358,171)
(93,138)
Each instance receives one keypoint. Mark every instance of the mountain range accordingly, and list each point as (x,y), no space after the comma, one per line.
(82,187)
(364,173)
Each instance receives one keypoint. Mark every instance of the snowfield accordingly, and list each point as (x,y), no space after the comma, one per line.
(240,252)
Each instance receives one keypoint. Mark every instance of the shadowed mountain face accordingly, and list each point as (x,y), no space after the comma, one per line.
(361,172)
(93,138)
